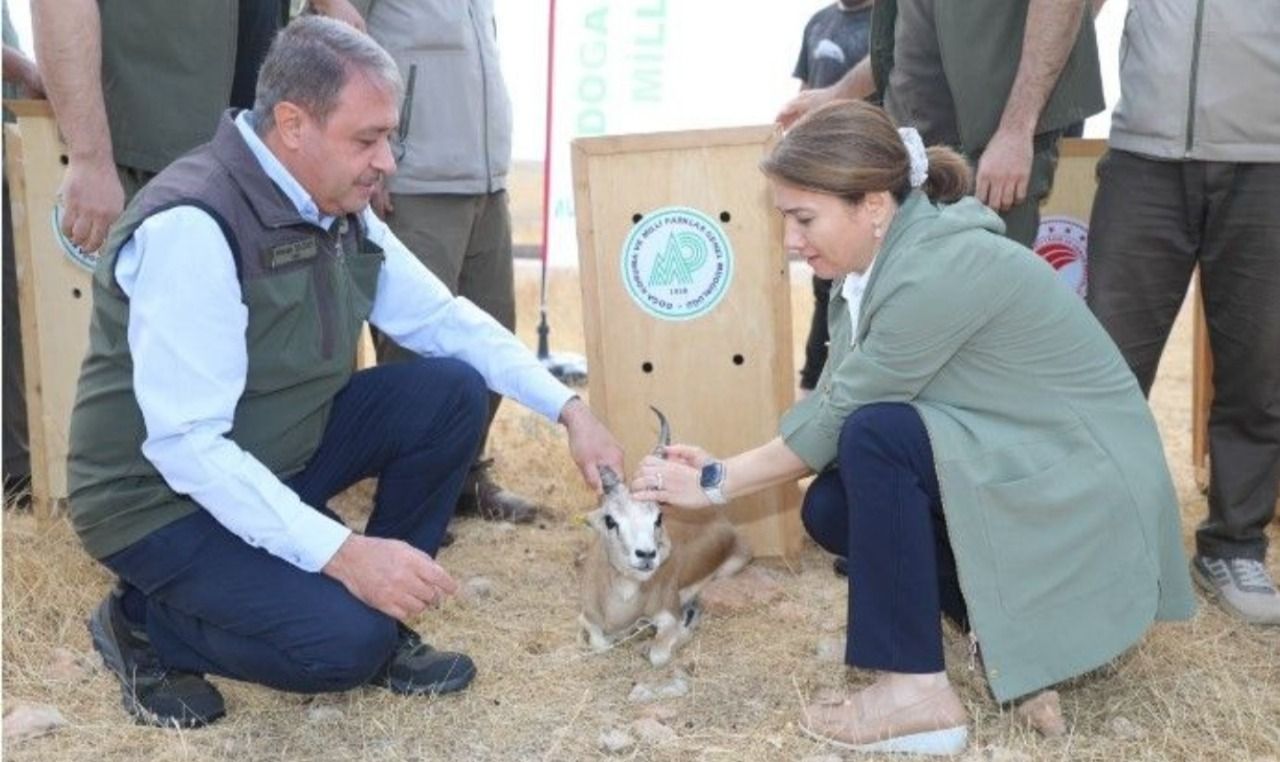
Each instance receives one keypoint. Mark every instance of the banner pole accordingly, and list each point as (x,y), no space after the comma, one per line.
(569,368)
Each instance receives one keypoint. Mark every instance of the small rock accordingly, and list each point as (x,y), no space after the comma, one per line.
(676,687)
(324,715)
(1043,714)
(477,588)
(823,758)
(747,589)
(26,721)
(67,666)
(832,625)
(615,741)
(653,732)
(830,649)
(1125,729)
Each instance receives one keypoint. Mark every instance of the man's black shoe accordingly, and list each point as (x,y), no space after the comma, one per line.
(152,694)
(840,566)
(416,668)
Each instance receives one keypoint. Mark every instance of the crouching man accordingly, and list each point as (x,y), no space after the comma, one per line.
(217,409)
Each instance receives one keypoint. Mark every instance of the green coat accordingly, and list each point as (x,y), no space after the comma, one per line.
(1058,500)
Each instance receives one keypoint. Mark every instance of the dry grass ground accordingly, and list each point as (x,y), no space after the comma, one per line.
(1208,689)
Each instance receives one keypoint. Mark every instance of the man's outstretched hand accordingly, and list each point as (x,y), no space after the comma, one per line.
(590,444)
(390,575)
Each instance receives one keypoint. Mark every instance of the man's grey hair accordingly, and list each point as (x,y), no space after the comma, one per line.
(309,62)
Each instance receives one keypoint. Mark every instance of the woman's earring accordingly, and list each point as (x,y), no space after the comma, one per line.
(878,231)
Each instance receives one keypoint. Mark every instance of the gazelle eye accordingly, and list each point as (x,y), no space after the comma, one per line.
(658,521)
(609,523)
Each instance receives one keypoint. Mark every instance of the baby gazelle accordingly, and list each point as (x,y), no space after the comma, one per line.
(634,573)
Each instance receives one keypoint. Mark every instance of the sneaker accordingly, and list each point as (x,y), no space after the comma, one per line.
(482,497)
(416,668)
(1241,585)
(151,693)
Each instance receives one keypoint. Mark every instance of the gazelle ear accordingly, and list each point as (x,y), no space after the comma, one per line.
(608,479)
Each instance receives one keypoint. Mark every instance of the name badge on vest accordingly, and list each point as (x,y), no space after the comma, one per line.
(288,253)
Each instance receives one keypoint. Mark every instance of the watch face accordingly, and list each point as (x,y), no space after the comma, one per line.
(712,475)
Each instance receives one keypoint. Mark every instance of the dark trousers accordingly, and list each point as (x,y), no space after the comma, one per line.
(1152,223)
(214,604)
(815,348)
(881,508)
(17,459)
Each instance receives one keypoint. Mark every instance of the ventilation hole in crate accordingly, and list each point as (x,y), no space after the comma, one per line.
(725,216)
(647,367)
(738,359)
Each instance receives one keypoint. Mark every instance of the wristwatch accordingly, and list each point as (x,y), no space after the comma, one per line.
(712,480)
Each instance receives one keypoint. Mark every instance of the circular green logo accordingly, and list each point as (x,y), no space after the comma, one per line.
(677,263)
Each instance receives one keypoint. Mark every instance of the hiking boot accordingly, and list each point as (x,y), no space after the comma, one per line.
(1241,585)
(482,497)
(151,693)
(416,668)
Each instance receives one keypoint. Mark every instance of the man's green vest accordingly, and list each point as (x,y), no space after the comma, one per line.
(307,292)
(980,42)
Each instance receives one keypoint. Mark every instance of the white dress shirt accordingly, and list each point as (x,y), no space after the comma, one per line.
(186,335)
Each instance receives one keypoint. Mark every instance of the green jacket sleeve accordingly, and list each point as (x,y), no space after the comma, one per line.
(908,334)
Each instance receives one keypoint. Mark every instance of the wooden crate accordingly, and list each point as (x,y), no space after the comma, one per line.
(1201,390)
(1075,181)
(54,297)
(723,376)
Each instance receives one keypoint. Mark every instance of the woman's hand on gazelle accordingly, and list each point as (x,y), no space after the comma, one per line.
(675,481)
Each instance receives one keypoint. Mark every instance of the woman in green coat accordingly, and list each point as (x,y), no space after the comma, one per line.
(983,451)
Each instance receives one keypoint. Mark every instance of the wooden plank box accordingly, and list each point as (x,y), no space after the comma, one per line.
(686,302)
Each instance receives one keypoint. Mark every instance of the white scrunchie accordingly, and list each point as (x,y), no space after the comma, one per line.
(919,159)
